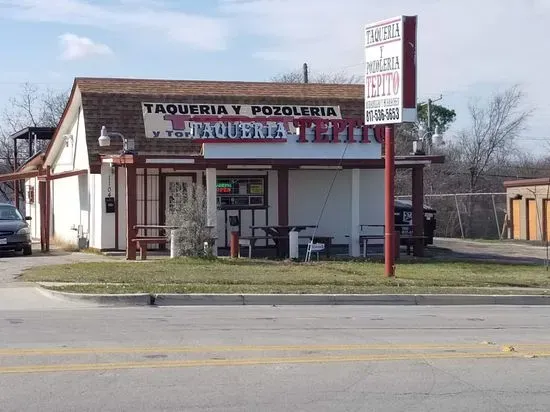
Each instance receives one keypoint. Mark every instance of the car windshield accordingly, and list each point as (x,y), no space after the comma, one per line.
(9,213)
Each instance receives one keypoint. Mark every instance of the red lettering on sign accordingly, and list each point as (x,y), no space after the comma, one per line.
(338,126)
(352,124)
(178,120)
(321,127)
(365,138)
(302,124)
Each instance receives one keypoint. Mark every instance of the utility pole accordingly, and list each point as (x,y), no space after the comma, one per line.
(305,74)
(429,122)
(429,115)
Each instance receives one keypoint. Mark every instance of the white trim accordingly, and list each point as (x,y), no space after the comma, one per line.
(168,161)
(249,166)
(413,162)
(321,167)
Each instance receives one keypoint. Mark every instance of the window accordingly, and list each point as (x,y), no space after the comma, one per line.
(240,192)
(8,212)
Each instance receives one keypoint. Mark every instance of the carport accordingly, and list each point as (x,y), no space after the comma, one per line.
(31,170)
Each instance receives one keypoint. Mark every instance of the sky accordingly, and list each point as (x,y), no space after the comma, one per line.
(467,50)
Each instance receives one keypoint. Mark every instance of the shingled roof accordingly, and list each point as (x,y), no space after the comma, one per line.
(219,88)
(116,103)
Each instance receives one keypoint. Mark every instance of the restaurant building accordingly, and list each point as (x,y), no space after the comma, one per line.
(271,154)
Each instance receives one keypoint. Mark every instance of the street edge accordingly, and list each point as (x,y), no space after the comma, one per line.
(133,299)
(200,299)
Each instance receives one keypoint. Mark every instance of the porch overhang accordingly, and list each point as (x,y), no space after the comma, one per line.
(22,175)
(199,162)
(41,174)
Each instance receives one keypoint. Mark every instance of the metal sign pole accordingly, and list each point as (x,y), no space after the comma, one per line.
(389,186)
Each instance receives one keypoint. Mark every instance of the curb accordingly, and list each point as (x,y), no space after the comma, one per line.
(198,299)
(134,299)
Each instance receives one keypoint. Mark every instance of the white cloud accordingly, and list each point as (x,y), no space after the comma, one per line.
(159,20)
(460,43)
(75,47)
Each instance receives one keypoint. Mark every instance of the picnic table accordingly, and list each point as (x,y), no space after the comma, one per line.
(405,232)
(143,241)
(279,234)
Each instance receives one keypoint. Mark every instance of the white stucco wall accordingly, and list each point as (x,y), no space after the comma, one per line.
(33,210)
(308,190)
(71,202)
(102,224)
(74,153)
(70,207)
(121,208)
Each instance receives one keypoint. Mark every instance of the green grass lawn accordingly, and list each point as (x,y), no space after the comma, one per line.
(258,276)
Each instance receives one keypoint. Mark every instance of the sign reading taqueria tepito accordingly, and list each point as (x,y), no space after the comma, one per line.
(390,71)
(233,123)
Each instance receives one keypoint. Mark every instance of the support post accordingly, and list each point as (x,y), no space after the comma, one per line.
(496,218)
(389,189)
(234,244)
(211,207)
(459,217)
(15,182)
(418,210)
(42,202)
(282,197)
(355,209)
(48,209)
(131,211)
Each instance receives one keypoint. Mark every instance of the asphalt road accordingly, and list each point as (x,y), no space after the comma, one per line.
(57,356)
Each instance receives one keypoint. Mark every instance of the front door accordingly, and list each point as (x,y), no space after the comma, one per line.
(516,219)
(175,184)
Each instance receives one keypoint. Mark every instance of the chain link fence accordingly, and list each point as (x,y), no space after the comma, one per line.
(468,215)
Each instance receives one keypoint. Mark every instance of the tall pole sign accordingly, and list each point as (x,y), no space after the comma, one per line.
(390,98)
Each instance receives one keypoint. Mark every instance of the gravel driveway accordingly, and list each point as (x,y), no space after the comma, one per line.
(13,264)
(505,251)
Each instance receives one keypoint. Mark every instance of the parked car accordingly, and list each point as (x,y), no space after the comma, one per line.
(14,230)
(403,216)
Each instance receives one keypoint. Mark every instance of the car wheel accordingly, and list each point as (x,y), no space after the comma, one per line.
(27,251)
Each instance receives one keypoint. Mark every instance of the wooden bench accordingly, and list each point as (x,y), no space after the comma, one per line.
(143,241)
(364,239)
(250,241)
(327,240)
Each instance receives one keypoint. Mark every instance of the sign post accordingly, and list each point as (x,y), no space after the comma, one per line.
(390,99)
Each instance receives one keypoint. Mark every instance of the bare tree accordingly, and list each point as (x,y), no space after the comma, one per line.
(297,76)
(479,159)
(32,107)
(494,130)
(188,211)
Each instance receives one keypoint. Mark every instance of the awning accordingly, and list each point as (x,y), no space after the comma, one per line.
(19,175)
(40,174)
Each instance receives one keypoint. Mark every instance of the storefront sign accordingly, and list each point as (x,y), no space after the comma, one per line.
(206,121)
(390,71)
(327,112)
(241,129)
(234,131)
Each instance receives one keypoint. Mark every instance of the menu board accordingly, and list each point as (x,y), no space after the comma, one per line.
(240,192)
